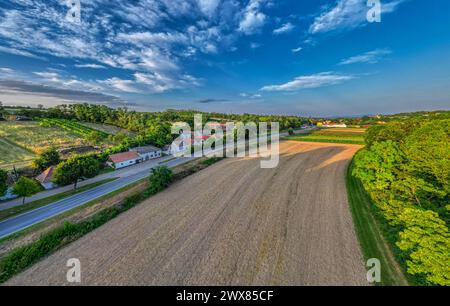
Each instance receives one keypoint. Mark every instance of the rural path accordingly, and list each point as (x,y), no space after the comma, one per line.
(230,224)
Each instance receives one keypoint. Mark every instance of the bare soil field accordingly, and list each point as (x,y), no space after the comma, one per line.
(230,224)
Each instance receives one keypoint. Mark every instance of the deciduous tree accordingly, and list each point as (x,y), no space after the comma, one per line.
(76,168)
(160,178)
(26,187)
(49,157)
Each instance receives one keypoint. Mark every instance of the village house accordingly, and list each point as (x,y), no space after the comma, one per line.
(122,160)
(46,178)
(331,124)
(148,152)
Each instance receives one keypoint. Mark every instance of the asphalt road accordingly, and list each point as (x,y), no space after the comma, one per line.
(20,222)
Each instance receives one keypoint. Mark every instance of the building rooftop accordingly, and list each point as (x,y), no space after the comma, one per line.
(145,149)
(121,157)
(46,176)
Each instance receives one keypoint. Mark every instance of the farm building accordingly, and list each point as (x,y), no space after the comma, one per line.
(330,124)
(148,152)
(122,160)
(46,177)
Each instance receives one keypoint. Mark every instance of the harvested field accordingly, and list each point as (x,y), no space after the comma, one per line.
(230,224)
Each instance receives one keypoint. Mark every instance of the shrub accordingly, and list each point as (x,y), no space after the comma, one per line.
(160,178)
(49,157)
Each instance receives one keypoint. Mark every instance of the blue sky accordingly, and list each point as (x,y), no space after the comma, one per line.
(309,57)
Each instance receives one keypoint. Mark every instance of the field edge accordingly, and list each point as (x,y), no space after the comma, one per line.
(370,234)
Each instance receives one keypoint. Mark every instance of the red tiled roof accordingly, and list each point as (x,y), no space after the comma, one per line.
(46,176)
(121,157)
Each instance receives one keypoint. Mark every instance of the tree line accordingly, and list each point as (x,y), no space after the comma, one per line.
(405,167)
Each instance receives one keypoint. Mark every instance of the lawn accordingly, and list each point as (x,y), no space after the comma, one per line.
(338,135)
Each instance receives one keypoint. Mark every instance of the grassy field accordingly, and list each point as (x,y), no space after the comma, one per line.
(32,136)
(106,128)
(370,234)
(334,135)
(21,140)
(13,154)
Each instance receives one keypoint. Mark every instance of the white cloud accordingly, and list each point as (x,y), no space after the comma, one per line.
(49,76)
(147,37)
(157,83)
(255,45)
(6,70)
(121,85)
(285,28)
(208,7)
(64,81)
(19,52)
(253,19)
(93,66)
(250,96)
(347,14)
(391,6)
(296,50)
(310,81)
(371,57)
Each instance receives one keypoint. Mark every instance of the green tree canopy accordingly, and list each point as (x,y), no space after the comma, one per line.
(406,169)
(160,178)
(26,187)
(49,157)
(427,239)
(76,168)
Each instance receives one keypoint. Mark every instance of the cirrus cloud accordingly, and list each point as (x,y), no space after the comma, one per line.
(347,14)
(371,57)
(310,81)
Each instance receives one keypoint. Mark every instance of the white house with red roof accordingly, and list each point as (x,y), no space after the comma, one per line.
(124,159)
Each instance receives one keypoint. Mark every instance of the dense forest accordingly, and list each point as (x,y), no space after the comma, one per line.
(405,167)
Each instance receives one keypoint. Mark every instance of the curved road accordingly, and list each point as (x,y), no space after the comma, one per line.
(25,220)
(230,224)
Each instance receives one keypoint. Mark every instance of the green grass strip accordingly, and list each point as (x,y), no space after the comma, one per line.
(370,233)
(327,139)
